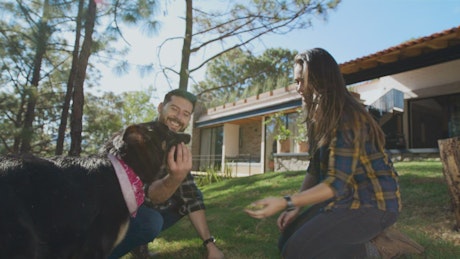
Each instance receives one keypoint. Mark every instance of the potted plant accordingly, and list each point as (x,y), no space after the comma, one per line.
(282,133)
(301,137)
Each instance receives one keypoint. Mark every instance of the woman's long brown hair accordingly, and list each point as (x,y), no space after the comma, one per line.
(327,101)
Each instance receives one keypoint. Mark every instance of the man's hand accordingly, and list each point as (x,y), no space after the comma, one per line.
(182,164)
(161,190)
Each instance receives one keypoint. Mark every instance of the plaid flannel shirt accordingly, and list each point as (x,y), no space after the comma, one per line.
(359,178)
(186,199)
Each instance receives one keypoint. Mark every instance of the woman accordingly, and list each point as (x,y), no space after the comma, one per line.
(351,186)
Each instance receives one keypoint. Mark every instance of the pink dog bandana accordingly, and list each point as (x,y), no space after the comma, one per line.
(131,185)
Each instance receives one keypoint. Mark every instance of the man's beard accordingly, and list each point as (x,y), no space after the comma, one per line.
(177,123)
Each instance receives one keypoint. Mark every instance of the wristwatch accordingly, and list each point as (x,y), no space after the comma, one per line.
(290,206)
(209,240)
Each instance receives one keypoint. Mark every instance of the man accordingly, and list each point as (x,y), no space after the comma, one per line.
(175,194)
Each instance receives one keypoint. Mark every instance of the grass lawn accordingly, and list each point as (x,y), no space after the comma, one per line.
(426,215)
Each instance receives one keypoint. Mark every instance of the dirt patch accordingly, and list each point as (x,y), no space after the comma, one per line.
(443,229)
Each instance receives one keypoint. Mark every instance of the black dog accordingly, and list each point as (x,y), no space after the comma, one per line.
(69,207)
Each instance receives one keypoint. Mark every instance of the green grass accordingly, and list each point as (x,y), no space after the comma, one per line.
(426,215)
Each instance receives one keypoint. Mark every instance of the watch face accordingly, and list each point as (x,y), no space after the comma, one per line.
(209,240)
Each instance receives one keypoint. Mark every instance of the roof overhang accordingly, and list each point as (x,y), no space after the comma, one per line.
(263,104)
(431,50)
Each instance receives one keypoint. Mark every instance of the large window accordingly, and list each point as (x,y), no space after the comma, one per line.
(432,119)
(211,147)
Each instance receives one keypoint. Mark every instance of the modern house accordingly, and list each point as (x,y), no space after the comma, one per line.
(412,89)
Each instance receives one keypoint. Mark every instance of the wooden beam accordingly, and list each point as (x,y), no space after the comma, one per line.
(388,58)
(437,44)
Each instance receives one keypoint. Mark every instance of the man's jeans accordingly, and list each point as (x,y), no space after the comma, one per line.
(144,228)
(340,233)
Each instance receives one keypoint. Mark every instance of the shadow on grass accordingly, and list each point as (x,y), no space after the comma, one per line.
(425,216)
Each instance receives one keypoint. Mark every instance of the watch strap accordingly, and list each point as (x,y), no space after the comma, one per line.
(209,240)
(290,205)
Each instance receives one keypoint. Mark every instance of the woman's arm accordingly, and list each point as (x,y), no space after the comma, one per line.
(272,205)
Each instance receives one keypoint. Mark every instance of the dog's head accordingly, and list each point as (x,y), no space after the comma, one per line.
(144,147)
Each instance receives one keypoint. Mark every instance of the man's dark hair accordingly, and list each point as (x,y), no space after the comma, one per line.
(181,93)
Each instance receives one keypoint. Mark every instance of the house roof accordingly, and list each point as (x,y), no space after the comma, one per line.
(252,108)
(422,52)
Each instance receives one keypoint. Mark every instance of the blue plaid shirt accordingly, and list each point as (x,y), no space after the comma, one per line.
(359,178)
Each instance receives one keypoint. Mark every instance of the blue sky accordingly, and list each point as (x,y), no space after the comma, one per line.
(355,29)
(361,27)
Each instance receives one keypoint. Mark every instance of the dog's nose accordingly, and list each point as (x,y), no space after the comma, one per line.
(185,138)
(177,138)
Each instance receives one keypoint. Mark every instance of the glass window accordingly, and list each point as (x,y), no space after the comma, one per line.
(432,119)
(211,147)
(273,146)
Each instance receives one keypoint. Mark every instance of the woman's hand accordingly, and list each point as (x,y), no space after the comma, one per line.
(265,207)
(286,218)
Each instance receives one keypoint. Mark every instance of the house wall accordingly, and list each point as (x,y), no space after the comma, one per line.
(241,169)
(231,135)
(250,139)
(242,148)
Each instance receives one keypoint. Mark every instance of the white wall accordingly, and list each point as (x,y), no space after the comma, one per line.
(231,140)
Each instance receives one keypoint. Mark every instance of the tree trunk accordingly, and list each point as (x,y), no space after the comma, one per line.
(449,151)
(70,83)
(76,122)
(392,243)
(186,48)
(18,122)
(42,36)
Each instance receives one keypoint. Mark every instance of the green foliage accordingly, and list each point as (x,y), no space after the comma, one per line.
(282,131)
(137,106)
(425,216)
(102,118)
(47,112)
(104,115)
(213,175)
(239,74)
(301,135)
(36,57)
(281,128)
(110,113)
(240,25)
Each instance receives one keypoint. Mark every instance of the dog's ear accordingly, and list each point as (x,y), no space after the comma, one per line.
(144,149)
(135,134)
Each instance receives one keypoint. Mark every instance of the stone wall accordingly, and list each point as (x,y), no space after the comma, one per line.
(291,162)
